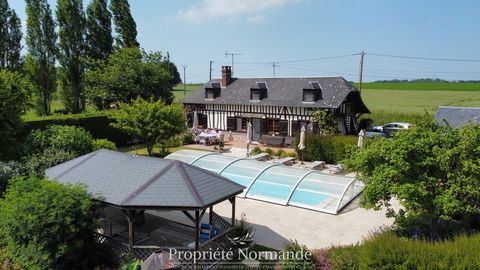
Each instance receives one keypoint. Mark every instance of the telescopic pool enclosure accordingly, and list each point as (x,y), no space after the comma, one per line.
(277,183)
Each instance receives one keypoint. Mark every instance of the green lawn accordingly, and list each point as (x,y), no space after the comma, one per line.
(436,86)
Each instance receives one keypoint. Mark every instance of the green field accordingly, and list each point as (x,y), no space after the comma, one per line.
(178,90)
(436,86)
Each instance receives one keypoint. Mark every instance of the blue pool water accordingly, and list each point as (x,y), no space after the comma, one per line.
(272,190)
(307,197)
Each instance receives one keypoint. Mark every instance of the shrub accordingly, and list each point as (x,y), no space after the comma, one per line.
(270,151)
(280,153)
(388,251)
(131,265)
(98,124)
(9,170)
(305,262)
(70,139)
(256,150)
(37,163)
(103,144)
(188,138)
(331,149)
(48,225)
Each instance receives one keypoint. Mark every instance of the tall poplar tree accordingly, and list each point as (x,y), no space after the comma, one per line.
(99,30)
(10,37)
(72,31)
(125,25)
(42,49)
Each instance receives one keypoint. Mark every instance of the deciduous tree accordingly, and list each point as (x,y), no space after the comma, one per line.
(13,103)
(42,50)
(10,37)
(48,225)
(154,122)
(434,171)
(99,30)
(72,31)
(125,25)
(127,74)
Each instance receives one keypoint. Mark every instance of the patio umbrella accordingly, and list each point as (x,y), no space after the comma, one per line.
(195,122)
(301,145)
(249,137)
(159,261)
(361,135)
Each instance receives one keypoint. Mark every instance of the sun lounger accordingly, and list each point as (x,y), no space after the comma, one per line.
(284,160)
(261,156)
(315,165)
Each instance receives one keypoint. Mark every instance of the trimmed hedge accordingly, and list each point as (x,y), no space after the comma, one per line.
(388,251)
(97,124)
(331,149)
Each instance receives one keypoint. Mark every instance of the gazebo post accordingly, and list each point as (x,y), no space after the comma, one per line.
(232,201)
(210,215)
(131,232)
(197,229)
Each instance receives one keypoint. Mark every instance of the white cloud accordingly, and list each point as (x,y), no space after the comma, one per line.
(256,19)
(213,9)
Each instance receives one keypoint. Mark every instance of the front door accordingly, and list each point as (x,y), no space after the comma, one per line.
(256,129)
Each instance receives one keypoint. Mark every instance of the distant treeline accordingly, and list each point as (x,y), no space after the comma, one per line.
(427,80)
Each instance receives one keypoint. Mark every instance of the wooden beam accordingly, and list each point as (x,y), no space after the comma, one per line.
(232,201)
(210,215)
(197,229)
(131,232)
(192,219)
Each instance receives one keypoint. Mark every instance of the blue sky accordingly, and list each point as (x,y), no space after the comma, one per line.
(266,31)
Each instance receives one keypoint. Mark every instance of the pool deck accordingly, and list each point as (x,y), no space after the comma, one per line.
(276,224)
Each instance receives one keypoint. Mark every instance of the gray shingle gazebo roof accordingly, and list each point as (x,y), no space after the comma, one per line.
(144,182)
(458,116)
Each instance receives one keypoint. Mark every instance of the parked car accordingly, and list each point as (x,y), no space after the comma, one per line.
(391,128)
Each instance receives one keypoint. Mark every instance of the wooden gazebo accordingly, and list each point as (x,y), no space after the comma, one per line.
(136,183)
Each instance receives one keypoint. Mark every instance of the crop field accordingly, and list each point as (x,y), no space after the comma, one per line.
(178,90)
(436,86)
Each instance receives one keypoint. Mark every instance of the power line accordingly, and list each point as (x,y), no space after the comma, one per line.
(425,58)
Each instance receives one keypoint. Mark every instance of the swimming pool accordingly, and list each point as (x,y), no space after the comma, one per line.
(278,183)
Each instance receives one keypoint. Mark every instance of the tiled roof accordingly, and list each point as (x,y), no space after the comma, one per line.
(458,116)
(282,92)
(128,181)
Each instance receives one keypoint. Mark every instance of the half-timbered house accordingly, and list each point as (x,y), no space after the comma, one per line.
(274,106)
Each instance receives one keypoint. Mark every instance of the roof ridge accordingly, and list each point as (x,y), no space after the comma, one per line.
(143,187)
(189,183)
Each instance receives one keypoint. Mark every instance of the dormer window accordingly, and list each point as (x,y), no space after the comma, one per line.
(258,92)
(255,94)
(213,91)
(312,94)
(209,93)
(308,95)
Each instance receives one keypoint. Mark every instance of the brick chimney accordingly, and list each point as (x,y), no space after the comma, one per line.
(226,75)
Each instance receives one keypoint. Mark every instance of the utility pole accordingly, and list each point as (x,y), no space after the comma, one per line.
(274,66)
(361,70)
(232,54)
(211,68)
(184,81)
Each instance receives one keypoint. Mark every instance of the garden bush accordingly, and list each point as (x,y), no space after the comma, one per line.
(256,150)
(48,225)
(9,170)
(36,164)
(331,149)
(103,144)
(388,251)
(305,262)
(98,124)
(74,140)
